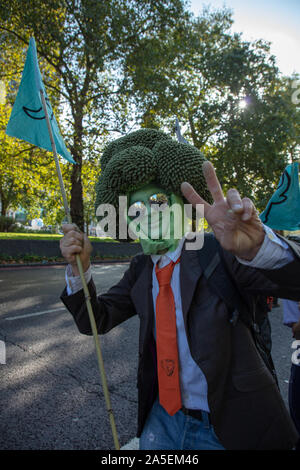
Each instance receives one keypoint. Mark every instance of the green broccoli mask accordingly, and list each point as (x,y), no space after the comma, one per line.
(145,163)
(156,217)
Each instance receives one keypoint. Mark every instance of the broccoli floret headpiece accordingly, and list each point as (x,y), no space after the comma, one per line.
(146,156)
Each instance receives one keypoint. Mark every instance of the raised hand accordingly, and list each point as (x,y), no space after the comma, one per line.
(75,242)
(234,221)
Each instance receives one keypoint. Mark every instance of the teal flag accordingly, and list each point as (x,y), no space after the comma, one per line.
(27,120)
(283,209)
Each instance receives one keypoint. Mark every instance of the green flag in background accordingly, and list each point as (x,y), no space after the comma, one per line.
(27,120)
(283,209)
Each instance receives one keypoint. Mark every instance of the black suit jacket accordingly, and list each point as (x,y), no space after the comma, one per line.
(246,407)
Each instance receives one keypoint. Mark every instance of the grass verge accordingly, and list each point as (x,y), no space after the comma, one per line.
(45,236)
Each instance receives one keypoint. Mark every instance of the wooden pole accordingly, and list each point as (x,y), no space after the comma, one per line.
(84,284)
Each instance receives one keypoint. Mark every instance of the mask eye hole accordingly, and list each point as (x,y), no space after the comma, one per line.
(159,201)
(136,210)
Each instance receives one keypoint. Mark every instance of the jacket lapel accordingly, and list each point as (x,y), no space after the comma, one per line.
(190,273)
(141,295)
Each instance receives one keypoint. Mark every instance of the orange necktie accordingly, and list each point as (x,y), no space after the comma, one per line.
(166,342)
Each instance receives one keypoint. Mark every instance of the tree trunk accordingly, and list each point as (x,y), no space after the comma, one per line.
(4,204)
(193,130)
(76,205)
(87,225)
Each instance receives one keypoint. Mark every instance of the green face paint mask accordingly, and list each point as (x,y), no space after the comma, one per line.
(156,218)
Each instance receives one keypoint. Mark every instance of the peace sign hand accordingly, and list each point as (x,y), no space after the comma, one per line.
(234,221)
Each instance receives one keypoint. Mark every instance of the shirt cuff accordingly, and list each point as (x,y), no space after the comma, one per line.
(273,254)
(74,283)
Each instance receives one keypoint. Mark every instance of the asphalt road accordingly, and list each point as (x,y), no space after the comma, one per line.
(50,387)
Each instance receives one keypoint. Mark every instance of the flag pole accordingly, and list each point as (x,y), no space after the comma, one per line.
(84,284)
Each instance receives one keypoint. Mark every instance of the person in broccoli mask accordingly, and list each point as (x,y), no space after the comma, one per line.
(202,383)
(145,166)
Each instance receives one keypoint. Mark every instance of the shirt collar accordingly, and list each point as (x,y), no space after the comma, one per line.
(166,258)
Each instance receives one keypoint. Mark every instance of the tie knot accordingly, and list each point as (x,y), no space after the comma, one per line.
(164,274)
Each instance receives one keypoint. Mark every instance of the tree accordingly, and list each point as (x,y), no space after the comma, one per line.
(90,174)
(291,108)
(228,95)
(86,43)
(258,141)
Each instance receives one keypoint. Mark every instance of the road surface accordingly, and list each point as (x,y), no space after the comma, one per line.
(51,393)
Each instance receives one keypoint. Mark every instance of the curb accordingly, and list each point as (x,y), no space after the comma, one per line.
(62,263)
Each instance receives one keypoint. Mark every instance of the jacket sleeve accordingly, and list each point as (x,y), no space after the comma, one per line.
(110,309)
(283,282)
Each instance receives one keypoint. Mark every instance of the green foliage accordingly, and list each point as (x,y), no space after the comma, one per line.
(117,65)
(90,172)
(203,76)
(33,235)
(86,43)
